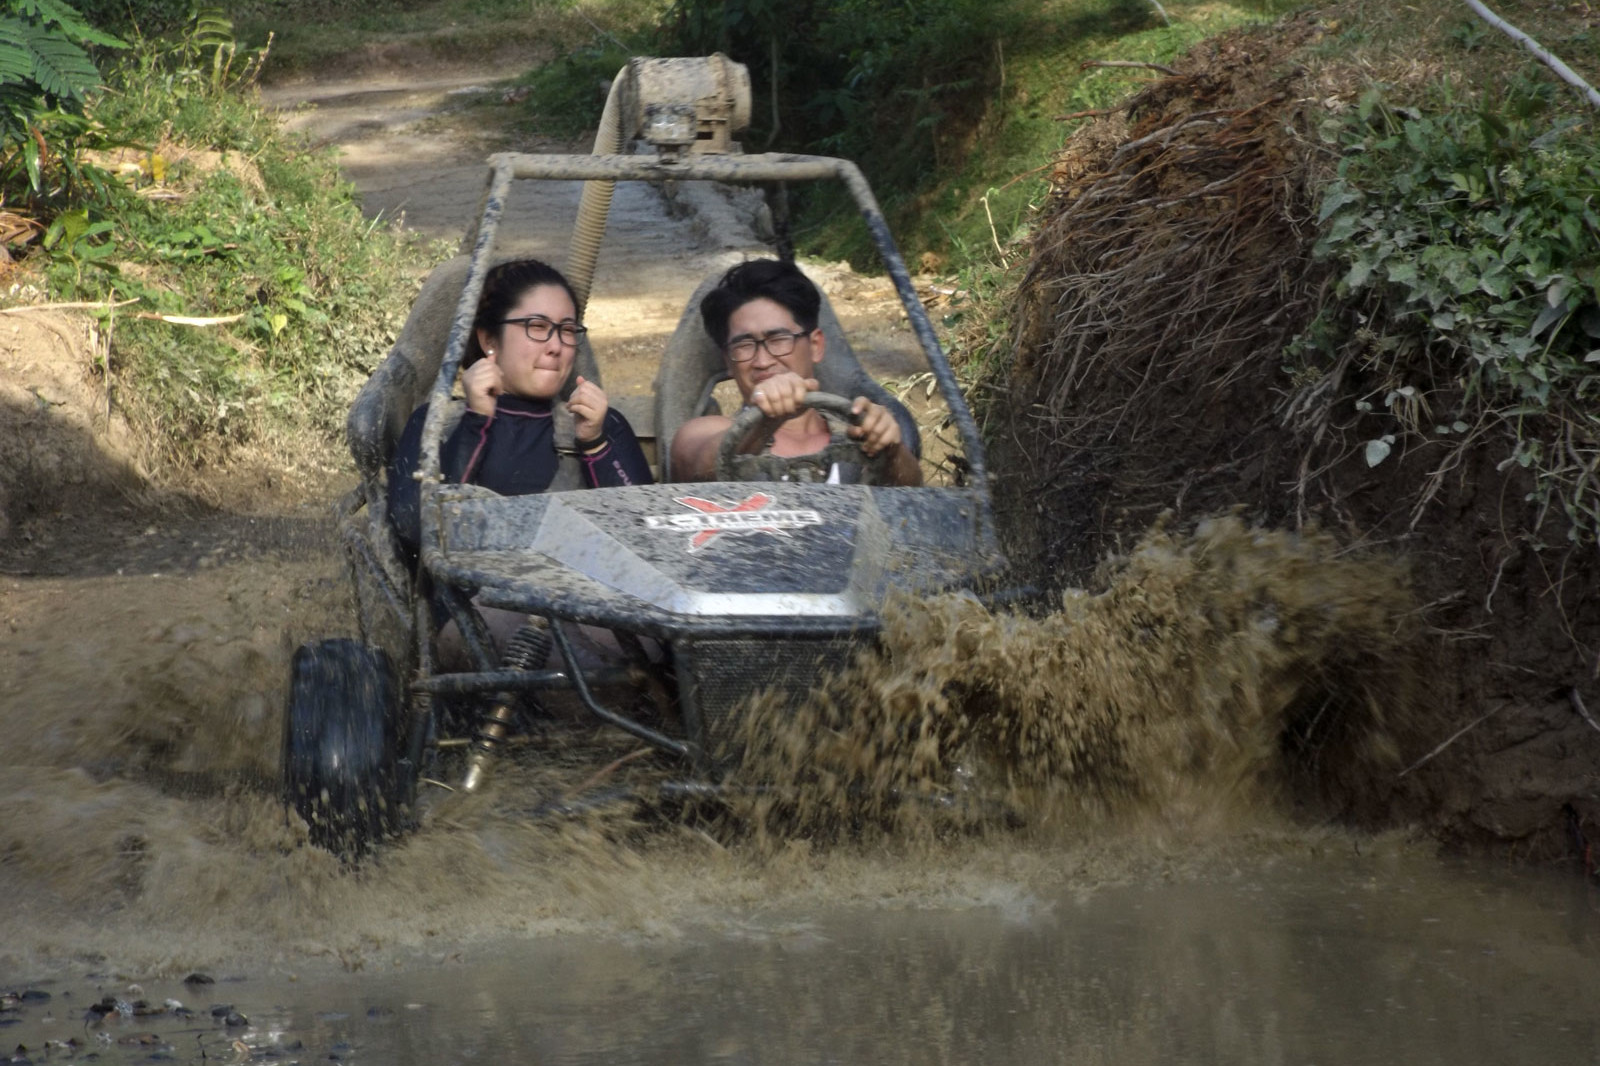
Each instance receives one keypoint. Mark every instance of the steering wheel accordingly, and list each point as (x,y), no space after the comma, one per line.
(733,465)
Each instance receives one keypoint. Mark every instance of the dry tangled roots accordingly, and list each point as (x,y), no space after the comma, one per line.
(1171,266)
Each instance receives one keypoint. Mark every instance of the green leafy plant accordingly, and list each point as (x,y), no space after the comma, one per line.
(79,242)
(46,75)
(263,296)
(1468,242)
(42,53)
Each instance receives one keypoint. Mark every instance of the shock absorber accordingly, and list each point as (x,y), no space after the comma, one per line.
(527,649)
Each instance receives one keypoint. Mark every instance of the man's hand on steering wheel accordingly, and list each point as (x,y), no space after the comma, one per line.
(782,396)
(740,456)
(876,430)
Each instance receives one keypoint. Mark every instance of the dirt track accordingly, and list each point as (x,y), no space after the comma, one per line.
(415,150)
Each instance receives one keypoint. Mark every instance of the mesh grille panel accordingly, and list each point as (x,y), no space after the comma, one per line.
(724,672)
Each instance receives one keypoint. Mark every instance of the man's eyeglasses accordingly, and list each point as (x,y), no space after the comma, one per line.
(539,328)
(778,343)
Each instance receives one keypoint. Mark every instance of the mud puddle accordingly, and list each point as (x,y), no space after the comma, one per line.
(1384,959)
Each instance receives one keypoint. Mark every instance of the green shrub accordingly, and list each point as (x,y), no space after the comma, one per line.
(1468,240)
(138,18)
(889,81)
(223,217)
(946,105)
(46,75)
(569,92)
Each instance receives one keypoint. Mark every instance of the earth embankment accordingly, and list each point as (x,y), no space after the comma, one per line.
(1172,266)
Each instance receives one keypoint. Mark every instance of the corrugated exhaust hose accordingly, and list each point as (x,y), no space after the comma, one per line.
(595,204)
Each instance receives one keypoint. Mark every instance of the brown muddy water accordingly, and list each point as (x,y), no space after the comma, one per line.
(1368,956)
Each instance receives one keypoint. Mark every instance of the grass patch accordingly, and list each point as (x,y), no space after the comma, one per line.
(968,196)
(212,213)
(1414,46)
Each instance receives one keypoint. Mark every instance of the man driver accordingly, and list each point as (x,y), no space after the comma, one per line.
(763,315)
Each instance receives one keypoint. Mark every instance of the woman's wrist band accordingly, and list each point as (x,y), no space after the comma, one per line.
(590,447)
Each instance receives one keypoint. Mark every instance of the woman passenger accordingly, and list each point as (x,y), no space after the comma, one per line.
(524,339)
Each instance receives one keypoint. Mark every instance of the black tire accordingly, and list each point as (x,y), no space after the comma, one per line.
(342,769)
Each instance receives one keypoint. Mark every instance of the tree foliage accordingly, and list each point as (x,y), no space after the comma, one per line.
(46,74)
(42,51)
(888,82)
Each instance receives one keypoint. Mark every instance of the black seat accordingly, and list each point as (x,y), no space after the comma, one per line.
(693,365)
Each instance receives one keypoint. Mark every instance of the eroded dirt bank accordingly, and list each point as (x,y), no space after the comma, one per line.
(1173,268)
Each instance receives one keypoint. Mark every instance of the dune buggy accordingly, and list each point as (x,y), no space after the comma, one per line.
(715,591)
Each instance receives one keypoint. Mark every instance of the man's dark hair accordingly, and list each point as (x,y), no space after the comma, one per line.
(504,286)
(772,279)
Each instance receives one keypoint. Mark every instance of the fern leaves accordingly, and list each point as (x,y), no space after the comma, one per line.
(41,48)
(16,57)
(212,28)
(63,69)
(72,25)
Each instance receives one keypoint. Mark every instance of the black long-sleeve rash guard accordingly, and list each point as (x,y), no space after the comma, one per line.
(513,453)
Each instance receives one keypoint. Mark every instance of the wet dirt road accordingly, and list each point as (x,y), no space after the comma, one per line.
(1374,959)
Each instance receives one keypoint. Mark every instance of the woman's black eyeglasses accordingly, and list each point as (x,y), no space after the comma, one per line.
(778,343)
(539,328)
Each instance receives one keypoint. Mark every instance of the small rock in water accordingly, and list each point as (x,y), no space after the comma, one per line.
(218,1010)
(35,995)
(235,1020)
(199,979)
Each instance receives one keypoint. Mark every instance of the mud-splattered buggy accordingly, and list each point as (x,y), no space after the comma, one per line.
(713,591)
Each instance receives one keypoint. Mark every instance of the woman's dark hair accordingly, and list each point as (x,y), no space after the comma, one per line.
(505,285)
(771,279)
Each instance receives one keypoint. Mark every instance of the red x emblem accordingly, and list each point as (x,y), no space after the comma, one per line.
(745,518)
(756,501)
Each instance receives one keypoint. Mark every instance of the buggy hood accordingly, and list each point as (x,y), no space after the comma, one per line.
(718,555)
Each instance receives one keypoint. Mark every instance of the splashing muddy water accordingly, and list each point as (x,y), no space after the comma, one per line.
(1118,878)
(1209,676)
(1162,701)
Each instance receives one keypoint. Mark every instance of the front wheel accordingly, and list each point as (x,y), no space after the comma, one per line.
(341,767)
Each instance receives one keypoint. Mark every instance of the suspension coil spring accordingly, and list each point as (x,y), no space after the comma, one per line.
(526,650)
